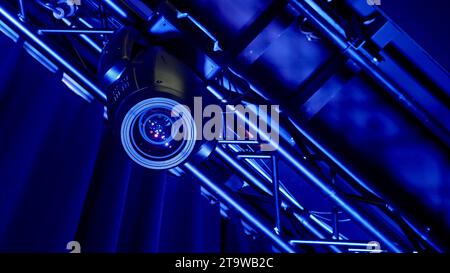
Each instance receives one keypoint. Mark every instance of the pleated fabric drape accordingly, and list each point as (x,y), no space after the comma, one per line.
(64,177)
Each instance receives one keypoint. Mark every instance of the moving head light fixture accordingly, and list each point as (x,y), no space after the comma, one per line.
(146,88)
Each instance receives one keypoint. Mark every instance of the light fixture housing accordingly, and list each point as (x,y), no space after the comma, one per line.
(146,89)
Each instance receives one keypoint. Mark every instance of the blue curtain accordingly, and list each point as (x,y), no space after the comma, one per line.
(64,177)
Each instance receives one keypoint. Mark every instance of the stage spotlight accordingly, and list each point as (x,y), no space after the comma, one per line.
(146,134)
(146,87)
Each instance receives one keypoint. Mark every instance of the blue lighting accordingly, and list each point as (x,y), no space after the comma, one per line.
(116,8)
(357,159)
(52,53)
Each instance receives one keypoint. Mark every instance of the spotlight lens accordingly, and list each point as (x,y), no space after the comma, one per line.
(156,128)
(146,133)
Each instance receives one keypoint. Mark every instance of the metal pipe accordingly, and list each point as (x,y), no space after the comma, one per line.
(22,11)
(76,31)
(51,52)
(314,143)
(85,38)
(8,17)
(115,7)
(250,178)
(325,23)
(47,6)
(331,157)
(327,154)
(336,243)
(326,226)
(314,13)
(422,236)
(304,221)
(335,210)
(317,181)
(291,200)
(238,142)
(320,184)
(333,195)
(335,222)
(254,156)
(181,15)
(223,194)
(276,193)
(327,190)
(365,250)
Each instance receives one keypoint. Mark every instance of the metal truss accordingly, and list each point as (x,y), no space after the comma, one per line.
(282,218)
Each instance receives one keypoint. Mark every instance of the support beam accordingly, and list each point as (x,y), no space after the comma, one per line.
(223,194)
(28,35)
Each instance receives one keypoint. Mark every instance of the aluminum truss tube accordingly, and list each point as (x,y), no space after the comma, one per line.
(223,194)
(329,156)
(360,185)
(250,178)
(334,196)
(311,141)
(266,177)
(326,24)
(329,192)
(295,161)
(8,17)
(276,191)
(343,44)
(337,37)
(337,243)
(22,10)
(290,200)
(76,31)
(286,153)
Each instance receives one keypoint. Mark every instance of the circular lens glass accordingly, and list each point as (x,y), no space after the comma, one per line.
(157,128)
(158,134)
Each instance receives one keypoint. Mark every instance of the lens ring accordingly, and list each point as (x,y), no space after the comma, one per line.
(133,118)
